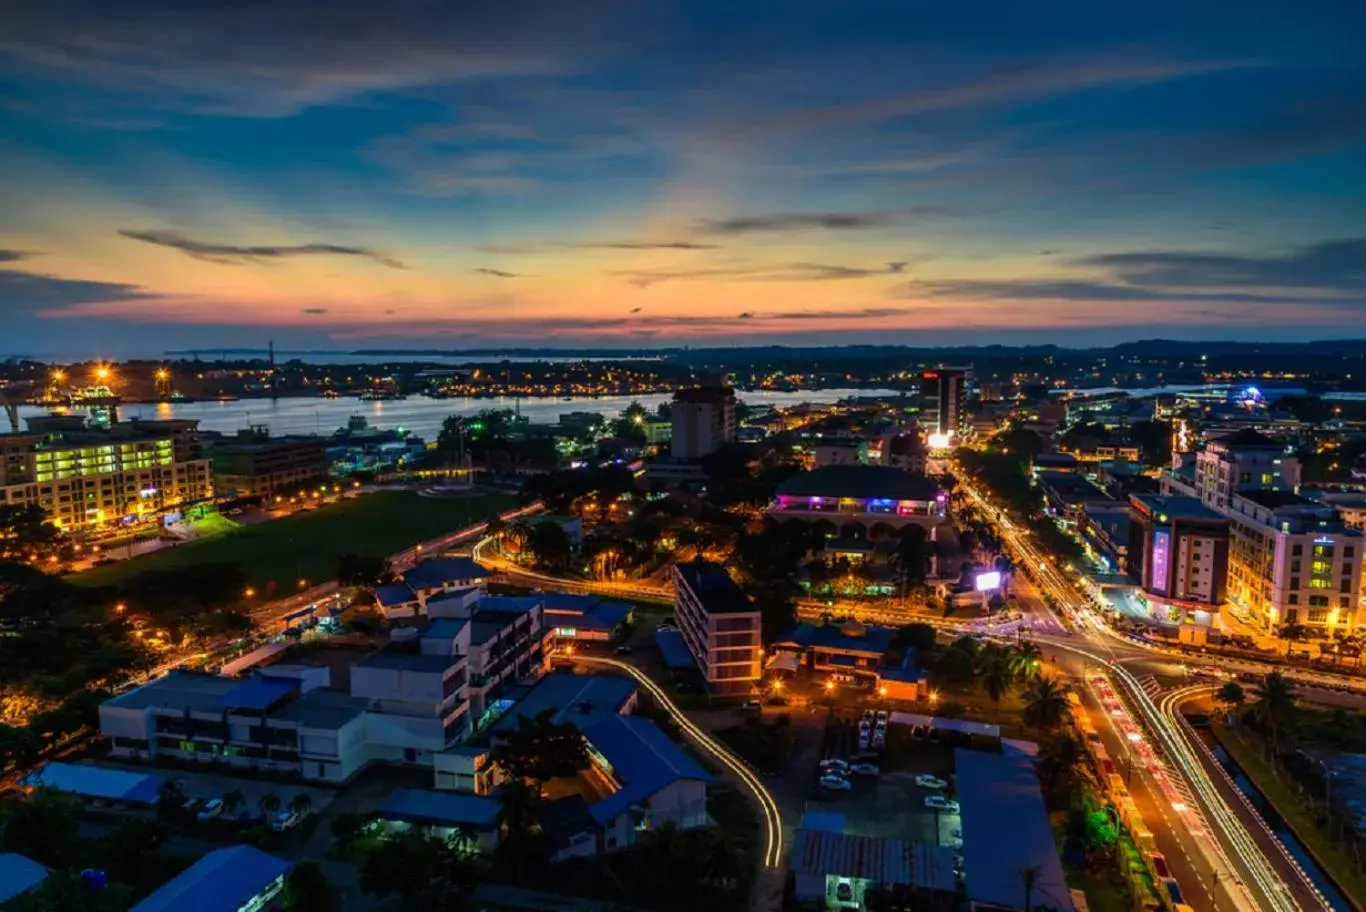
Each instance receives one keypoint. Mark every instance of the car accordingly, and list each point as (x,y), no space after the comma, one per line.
(834,764)
(882,717)
(662,627)
(210,810)
(863,741)
(622,650)
(753,706)
(866,769)
(835,784)
(867,717)
(925,780)
(284,820)
(940,803)
(956,844)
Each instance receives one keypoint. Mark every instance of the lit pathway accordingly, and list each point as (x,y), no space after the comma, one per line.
(773,821)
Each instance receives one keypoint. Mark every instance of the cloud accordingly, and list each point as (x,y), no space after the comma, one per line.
(500,274)
(275,59)
(1035,80)
(1338,265)
(778,272)
(822,221)
(1311,127)
(596,245)
(12,256)
(230,254)
(29,293)
(1067,290)
(313,310)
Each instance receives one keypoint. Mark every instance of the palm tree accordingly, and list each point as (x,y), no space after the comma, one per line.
(1045,703)
(269,803)
(1273,707)
(1292,633)
(1231,697)
(519,534)
(1030,877)
(1025,659)
(495,527)
(519,801)
(170,797)
(995,672)
(1060,761)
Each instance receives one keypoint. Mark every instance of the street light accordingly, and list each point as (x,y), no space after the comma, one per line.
(250,593)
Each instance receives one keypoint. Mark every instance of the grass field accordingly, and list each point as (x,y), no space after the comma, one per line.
(306,545)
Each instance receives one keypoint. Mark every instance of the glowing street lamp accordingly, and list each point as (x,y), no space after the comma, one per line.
(250,593)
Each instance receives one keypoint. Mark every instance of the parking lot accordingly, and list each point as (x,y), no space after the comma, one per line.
(207,786)
(890,804)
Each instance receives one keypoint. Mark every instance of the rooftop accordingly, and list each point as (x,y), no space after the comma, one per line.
(643,759)
(1247,439)
(714,588)
(704,394)
(862,482)
(846,637)
(584,700)
(97,782)
(1275,500)
(18,875)
(1005,830)
(441,808)
(1070,486)
(889,861)
(259,692)
(675,650)
(321,708)
(179,691)
(437,572)
(225,880)
(1174,505)
(401,659)
(394,594)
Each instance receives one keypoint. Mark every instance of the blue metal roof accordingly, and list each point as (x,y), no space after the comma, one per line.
(842,637)
(98,782)
(437,572)
(224,880)
(18,875)
(584,700)
(676,654)
(394,594)
(1006,829)
(516,604)
(643,759)
(444,628)
(259,692)
(825,821)
(441,808)
(887,861)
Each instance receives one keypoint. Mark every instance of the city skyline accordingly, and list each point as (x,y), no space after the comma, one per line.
(354,176)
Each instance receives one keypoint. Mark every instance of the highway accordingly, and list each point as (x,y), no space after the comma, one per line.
(1264,872)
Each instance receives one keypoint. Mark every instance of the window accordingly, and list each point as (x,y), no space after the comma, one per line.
(1294,598)
(1297,550)
(1294,566)
(1322,566)
(1316,583)
(1318,601)
(1323,550)
(1345,601)
(1294,582)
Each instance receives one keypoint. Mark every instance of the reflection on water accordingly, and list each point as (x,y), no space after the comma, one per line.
(418,414)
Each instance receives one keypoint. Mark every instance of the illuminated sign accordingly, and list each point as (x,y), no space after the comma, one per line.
(569,632)
(988,581)
(940,440)
(1161,555)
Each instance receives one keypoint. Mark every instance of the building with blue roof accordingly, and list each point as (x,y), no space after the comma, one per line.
(448,814)
(1006,830)
(826,862)
(97,783)
(225,880)
(677,656)
(586,617)
(428,579)
(584,700)
(653,781)
(18,875)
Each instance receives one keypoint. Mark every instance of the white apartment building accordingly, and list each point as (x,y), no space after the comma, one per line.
(703,420)
(1291,560)
(720,626)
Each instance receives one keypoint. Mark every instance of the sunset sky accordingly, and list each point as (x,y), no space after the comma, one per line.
(666,172)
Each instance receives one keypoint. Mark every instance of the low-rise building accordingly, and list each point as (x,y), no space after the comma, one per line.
(431,578)
(253,463)
(585,618)
(240,878)
(472,820)
(835,869)
(1179,553)
(859,499)
(720,626)
(19,875)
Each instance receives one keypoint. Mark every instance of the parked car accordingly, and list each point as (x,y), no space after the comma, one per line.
(284,820)
(663,627)
(867,717)
(753,706)
(882,718)
(835,783)
(863,741)
(210,810)
(939,802)
(925,780)
(834,764)
(866,769)
(622,650)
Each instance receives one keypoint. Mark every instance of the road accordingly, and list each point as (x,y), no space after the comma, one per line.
(768,885)
(1265,874)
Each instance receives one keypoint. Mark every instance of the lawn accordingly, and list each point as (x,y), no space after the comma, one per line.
(306,545)
(1332,856)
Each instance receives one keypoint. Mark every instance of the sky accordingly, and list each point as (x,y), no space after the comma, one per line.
(541,173)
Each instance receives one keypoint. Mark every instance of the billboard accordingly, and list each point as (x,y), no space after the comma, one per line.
(988,581)
(1162,544)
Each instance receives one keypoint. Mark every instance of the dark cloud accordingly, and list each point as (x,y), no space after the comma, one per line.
(1331,265)
(313,310)
(28,293)
(1311,127)
(596,245)
(777,272)
(12,256)
(231,254)
(635,310)
(501,274)
(1067,290)
(820,221)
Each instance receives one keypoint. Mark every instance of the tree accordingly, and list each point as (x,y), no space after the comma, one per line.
(233,802)
(408,864)
(269,803)
(920,637)
(307,889)
(132,853)
(1045,703)
(495,527)
(301,803)
(1273,707)
(1025,660)
(1061,759)
(44,828)
(171,798)
(540,749)
(19,746)
(25,530)
(550,545)
(995,672)
(911,557)
(362,570)
(1019,442)
(1029,877)
(1232,697)
(1293,633)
